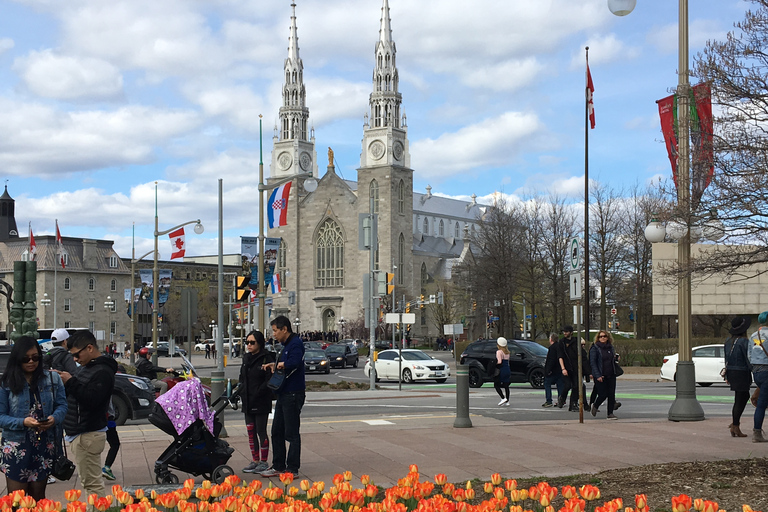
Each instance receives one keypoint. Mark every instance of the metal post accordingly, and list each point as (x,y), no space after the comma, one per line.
(580,361)
(372,286)
(217,376)
(262,292)
(155,304)
(462,397)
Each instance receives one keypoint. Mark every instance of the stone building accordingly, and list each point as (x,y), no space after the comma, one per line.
(421,235)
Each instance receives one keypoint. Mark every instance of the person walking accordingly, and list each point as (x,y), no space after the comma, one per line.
(737,370)
(758,358)
(113,440)
(207,350)
(552,372)
(88,395)
(601,360)
(286,424)
(503,371)
(32,402)
(567,356)
(59,358)
(257,399)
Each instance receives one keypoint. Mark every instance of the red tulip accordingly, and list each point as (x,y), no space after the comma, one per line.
(681,503)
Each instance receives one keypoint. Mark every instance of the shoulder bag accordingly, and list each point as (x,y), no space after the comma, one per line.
(617,369)
(277,380)
(724,371)
(63,468)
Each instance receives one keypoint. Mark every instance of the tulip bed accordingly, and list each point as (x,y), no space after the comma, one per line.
(410,494)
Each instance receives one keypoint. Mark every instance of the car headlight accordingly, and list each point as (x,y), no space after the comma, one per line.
(323,362)
(418,367)
(139,383)
(339,358)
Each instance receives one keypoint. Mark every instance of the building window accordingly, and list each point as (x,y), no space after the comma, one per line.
(189,276)
(424,277)
(442,228)
(65,259)
(456,231)
(373,193)
(330,255)
(91,284)
(400,258)
(282,263)
(25,256)
(205,275)
(67,283)
(401,197)
(197,276)
(112,327)
(425,226)
(113,285)
(91,326)
(91,305)
(67,306)
(113,261)
(67,325)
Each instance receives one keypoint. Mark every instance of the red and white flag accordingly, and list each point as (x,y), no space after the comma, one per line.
(177,243)
(60,246)
(32,245)
(590,94)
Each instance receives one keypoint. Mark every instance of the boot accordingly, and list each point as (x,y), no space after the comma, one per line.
(757,436)
(736,431)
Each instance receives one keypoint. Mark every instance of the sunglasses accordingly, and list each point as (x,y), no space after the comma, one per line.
(76,355)
(27,359)
(250,342)
(603,336)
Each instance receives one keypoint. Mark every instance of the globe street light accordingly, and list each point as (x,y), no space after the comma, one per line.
(109,305)
(297,323)
(342,323)
(45,302)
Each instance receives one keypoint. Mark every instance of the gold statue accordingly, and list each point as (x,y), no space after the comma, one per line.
(330,157)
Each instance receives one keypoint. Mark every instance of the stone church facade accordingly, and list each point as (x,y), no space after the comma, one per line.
(422,235)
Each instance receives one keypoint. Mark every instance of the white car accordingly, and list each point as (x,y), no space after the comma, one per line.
(416,365)
(200,347)
(708,360)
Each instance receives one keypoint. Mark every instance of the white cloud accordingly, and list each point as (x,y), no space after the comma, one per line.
(603,49)
(238,104)
(40,140)
(332,99)
(491,142)
(6,44)
(665,37)
(68,77)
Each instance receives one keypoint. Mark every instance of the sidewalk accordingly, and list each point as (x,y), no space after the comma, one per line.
(383,447)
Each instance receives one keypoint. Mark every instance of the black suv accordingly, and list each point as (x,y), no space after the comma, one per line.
(526,360)
(340,356)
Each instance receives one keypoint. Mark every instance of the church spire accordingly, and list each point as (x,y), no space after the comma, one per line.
(385,100)
(385,32)
(294,114)
(293,39)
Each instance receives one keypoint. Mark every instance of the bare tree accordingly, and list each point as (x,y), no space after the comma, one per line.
(532,264)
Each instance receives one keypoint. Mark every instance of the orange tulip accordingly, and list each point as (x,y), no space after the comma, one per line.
(74,494)
(510,484)
(413,468)
(589,492)
(488,487)
(498,493)
(365,480)
(710,506)
(441,479)
(746,508)
(203,506)
(470,494)
(681,503)
(641,501)
(286,478)
(544,500)
(76,506)
(534,493)
(448,489)
(26,502)
(496,479)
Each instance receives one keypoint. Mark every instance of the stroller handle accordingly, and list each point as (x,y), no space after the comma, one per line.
(223,401)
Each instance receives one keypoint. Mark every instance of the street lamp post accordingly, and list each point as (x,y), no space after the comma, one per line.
(296,324)
(45,302)
(342,323)
(109,305)
(685,407)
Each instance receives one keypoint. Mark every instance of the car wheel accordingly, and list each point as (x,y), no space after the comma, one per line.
(407,376)
(354,365)
(536,378)
(344,363)
(441,381)
(122,411)
(704,384)
(475,379)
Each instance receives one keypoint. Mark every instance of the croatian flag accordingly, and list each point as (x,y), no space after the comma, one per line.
(276,288)
(277,207)
(177,243)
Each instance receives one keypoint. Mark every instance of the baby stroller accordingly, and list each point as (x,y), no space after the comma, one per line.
(195,427)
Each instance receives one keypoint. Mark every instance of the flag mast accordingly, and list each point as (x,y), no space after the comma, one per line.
(55,273)
(587,121)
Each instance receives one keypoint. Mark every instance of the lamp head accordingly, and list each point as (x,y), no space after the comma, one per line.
(655,232)
(310,184)
(199,228)
(621,7)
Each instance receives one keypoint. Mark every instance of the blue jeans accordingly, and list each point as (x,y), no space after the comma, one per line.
(761,379)
(555,379)
(285,428)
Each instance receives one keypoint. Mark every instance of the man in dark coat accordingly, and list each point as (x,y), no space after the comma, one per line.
(552,371)
(567,355)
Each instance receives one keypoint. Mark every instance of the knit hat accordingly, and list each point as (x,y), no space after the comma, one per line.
(502,341)
(763,318)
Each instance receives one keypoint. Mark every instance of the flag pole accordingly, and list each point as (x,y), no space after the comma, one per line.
(585,289)
(55,274)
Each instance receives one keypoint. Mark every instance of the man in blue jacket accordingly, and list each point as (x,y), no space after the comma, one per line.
(290,400)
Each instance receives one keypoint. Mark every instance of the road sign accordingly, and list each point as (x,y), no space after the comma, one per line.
(575,281)
(575,256)
(613,311)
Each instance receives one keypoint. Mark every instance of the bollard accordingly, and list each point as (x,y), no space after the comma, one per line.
(217,389)
(462,397)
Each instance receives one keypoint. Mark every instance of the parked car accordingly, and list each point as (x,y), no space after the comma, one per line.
(526,360)
(708,360)
(382,344)
(356,343)
(316,361)
(163,349)
(313,345)
(200,347)
(415,365)
(340,356)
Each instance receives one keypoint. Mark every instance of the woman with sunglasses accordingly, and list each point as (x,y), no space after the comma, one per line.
(601,358)
(32,402)
(257,399)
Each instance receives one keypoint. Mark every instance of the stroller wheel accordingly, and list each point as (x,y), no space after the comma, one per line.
(170,478)
(220,473)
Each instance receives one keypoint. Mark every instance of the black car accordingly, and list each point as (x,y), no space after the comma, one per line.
(316,361)
(341,355)
(163,349)
(526,360)
(382,344)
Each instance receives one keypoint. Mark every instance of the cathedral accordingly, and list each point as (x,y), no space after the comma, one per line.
(421,237)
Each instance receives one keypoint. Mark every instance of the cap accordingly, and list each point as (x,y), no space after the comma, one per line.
(502,341)
(59,335)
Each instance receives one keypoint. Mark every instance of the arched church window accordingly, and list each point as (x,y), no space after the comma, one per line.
(282,263)
(330,255)
(373,193)
(456,231)
(401,197)
(425,227)
(400,258)
(424,277)
(442,228)
(67,283)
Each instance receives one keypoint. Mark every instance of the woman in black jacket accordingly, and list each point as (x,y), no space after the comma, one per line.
(257,399)
(737,370)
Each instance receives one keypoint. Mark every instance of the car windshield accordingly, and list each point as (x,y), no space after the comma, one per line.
(416,356)
(314,353)
(335,348)
(533,347)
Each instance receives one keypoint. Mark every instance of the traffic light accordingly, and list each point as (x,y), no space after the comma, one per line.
(242,291)
(390,283)
(421,301)
(474,305)
(408,308)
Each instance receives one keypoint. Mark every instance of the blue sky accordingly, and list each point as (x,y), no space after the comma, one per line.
(98,100)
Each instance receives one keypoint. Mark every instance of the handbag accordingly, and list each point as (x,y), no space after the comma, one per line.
(63,468)
(278,377)
(617,369)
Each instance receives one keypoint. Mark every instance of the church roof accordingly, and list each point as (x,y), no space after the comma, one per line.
(446,207)
(438,246)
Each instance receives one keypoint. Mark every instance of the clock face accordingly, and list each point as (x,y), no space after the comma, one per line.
(376,149)
(305,162)
(397,150)
(284,160)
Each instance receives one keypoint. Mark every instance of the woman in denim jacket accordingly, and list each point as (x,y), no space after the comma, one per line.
(758,357)
(29,418)
(737,370)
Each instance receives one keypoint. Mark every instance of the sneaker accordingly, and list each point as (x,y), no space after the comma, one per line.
(594,410)
(251,468)
(560,404)
(612,417)
(267,473)
(106,472)
(616,405)
(547,404)
(261,466)
(503,401)
(506,404)
(51,480)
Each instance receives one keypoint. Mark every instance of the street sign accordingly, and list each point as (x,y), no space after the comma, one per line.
(613,311)
(575,256)
(575,281)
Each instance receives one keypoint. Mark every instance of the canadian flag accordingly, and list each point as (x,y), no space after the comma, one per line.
(177,243)
(32,246)
(590,103)
(60,246)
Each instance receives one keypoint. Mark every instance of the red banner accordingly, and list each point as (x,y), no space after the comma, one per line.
(667,114)
(702,130)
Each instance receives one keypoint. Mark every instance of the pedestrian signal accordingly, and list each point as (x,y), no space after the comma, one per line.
(242,291)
